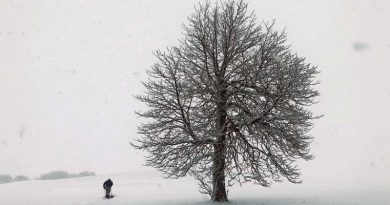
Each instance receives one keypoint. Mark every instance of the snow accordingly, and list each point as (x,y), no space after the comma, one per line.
(69,69)
(151,189)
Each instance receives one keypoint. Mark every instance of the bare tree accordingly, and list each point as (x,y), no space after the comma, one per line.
(229,104)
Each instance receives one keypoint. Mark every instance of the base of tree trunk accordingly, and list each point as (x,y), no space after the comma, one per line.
(220,194)
(225,200)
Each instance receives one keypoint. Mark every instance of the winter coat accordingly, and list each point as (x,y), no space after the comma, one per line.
(108,183)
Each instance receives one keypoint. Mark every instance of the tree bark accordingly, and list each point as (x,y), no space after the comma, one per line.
(219,190)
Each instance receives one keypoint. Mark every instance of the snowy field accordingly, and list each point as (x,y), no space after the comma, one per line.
(69,69)
(150,188)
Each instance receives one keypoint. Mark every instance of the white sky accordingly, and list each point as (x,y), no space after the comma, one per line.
(68,70)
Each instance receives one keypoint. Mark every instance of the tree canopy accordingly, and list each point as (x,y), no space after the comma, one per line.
(229,104)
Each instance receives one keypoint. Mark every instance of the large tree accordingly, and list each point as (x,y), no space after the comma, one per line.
(229,104)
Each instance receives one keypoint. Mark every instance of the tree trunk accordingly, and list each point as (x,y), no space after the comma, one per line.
(219,190)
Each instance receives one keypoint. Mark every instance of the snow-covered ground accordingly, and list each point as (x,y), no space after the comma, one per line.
(150,188)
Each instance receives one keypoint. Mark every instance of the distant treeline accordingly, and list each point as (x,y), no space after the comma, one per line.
(5,178)
(64,175)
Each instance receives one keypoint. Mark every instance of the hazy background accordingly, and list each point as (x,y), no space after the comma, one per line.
(68,70)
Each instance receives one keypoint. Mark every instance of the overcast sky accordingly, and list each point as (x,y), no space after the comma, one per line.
(68,70)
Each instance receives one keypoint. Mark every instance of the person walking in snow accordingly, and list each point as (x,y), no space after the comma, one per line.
(107,186)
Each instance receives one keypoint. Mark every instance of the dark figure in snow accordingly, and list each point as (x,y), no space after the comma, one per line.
(107,186)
